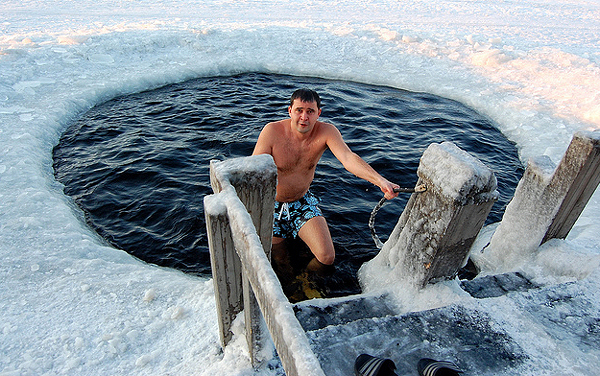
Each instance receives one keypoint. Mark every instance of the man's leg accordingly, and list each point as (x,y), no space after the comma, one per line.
(279,253)
(280,260)
(315,233)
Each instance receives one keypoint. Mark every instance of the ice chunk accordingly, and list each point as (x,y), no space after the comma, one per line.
(149,295)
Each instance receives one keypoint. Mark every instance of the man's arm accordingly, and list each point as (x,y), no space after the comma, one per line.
(355,164)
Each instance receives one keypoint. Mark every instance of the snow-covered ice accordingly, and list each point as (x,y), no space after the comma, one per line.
(70,304)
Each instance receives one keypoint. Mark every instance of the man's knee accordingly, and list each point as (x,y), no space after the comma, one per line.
(326,258)
(315,234)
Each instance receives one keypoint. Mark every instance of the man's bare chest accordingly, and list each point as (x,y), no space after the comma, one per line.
(297,157)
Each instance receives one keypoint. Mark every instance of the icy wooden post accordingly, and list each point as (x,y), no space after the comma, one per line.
(232,230)
(256,189)
(581,167)
(433,236)
(547,202)
(226,271)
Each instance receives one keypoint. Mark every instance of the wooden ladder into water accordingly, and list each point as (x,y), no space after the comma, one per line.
(444,220)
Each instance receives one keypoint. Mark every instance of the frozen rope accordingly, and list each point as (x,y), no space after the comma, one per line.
(418,189)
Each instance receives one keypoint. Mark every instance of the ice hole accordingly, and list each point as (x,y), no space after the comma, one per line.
(137,165)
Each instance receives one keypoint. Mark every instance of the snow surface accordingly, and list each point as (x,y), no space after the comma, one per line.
(70,304)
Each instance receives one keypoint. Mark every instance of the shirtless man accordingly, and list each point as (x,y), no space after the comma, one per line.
(296,145)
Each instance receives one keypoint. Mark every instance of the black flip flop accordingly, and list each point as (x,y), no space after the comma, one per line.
(367,365)
(430,367)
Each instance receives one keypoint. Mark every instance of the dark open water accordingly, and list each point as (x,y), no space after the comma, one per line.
(138,165)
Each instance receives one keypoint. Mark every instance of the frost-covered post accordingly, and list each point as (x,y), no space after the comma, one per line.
(581,168)
(255,183)
(226,270)
(236,215)
(547,202)
(433,236)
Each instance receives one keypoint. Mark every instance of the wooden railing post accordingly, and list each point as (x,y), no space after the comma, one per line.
(546,203)
(580,167)
(226,270)
(433,236)
(255,186)
(225,209)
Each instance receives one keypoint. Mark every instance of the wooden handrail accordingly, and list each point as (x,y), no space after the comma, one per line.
(229,223)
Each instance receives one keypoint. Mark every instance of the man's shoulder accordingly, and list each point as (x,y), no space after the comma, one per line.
(275,125)
(327,125)
(327,128)
(279,122)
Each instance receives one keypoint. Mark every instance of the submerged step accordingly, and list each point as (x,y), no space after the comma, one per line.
(492,286)
(313,316)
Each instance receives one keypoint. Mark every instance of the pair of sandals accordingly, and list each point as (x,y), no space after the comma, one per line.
(367,365)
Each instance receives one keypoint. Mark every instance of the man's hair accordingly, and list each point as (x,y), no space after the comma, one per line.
(306,95)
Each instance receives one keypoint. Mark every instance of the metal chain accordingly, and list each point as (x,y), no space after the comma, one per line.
(418,189)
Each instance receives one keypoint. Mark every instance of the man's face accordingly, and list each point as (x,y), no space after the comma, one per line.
(304,115)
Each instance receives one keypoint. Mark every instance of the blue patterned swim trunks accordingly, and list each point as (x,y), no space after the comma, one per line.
(289,217)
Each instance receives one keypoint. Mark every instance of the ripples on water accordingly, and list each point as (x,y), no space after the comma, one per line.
(138,165)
